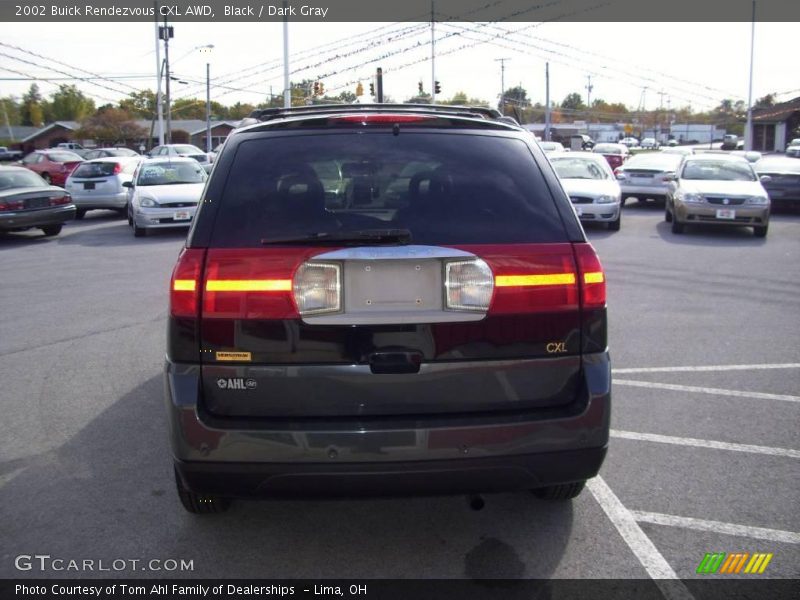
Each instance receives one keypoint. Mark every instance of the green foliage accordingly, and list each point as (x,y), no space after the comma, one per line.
(111,126)
(31,111)
(68,104)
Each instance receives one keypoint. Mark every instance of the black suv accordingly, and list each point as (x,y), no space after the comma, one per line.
(385,299)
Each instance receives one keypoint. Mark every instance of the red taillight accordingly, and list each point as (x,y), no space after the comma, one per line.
(60,199)
(184,287)
(117,169)
(11,205)
(252,283)
(530,278)
(382,118)
(591,277)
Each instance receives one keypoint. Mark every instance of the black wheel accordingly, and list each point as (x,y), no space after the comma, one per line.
(676,227)
(614,225)
(51,230)
(668,216)
(47,179)
(562,491)
(80,213)
(760,231)
(130,218)
(138,231)
(200,504)
(123,212)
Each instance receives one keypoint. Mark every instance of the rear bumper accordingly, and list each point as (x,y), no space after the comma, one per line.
(37,218)
(413,455)
(111,200)
(656,192)
(707,214)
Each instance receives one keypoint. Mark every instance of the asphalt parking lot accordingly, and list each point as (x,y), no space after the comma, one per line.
(704,454)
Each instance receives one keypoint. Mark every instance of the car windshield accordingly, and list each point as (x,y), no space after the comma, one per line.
(654,161)
(719,170)
(20,179)
(435,188)
(778,165)
(578,168)
(63,157)
(187,149)
(608,149)
(170,173)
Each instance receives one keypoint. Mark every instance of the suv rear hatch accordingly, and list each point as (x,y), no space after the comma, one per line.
(356,272)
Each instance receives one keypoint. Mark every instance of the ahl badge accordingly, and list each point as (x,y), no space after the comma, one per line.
(236,383)
(726,201)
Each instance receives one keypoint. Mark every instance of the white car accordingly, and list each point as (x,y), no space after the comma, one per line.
(164,193)
(649,143)
(188,150)
(794,148)
(548,147)
(630,142)
(591,186)
(100,184)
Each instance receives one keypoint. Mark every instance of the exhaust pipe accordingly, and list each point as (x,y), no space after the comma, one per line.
(476,502)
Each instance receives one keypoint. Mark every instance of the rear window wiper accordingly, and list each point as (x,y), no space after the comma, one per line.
(374,236)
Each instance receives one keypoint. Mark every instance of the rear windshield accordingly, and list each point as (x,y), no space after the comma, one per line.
(608,149)
(777,165)
(187,150)
(442,188)
(722,170)
(579,168)
(63,157)
(94,169)
(20,179)
(664,161)
(170,172)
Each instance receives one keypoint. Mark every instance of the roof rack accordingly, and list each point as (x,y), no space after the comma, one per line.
(268,114)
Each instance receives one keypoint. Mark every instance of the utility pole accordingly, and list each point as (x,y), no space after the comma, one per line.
(379,84)
(748,133)
(8,123)
(502,83)
(287,92)
(433,58)
(168,135)
(547,101)
(662,93)
(208,107)
(589,88)
(159,107)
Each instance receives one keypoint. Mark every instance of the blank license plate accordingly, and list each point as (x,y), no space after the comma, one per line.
(726,213)
(88,185)
(182,215)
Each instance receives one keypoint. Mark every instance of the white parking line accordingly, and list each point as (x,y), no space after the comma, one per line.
(644,549)
(682,441)
(758,533)
(706,390)
(710,368)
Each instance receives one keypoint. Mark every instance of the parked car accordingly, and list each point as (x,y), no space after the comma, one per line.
(793,149)
(615,154)
(8,155)
(438,326)
(551,146)
(650,143)
(28,201)
(54,166)
(749,155)
(185,150)
(643,175)
(672,142)
(720,190)
(108,152)
(783,185)
(99,184)
(582,141)
(164,193)
(591,186)
(729,142)
(630,142)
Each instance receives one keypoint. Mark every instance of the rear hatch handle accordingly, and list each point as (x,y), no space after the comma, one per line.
(395,362)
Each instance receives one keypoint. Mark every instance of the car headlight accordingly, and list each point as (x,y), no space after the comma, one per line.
(691,198)
(758,200)
(147,202)
(606,200)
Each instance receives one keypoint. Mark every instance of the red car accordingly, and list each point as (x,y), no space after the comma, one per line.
(54,166)
(615,154)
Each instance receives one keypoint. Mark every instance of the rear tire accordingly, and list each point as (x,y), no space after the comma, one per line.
(677,227)
(51,230)
(614,225)
(667,216)
(80,213)
(760,231)
(138,231)
(560,492)
(200,504)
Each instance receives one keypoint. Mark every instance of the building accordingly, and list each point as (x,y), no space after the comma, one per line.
(696,133)
(775,126)
(191,131)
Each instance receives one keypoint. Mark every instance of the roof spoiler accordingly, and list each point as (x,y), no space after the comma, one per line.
(268,114)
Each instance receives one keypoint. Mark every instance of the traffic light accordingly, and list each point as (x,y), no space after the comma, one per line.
(436,87)
(419,87)
(316,88)
(371,89)
(359,89)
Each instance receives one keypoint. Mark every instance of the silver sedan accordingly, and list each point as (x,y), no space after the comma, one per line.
(590,185)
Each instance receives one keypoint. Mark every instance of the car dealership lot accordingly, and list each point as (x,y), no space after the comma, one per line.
(701,460)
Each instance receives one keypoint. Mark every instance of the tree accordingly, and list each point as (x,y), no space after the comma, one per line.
(111,126)
(239,111)
(10,109)
(517,95)
(31,110)
(765,101)
(458,99)
(573,102)
(140,105)
(189,108)
(69,104)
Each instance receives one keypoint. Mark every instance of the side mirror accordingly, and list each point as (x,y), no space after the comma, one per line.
(669,177)
(765,179)
(620,176)
(127,184)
